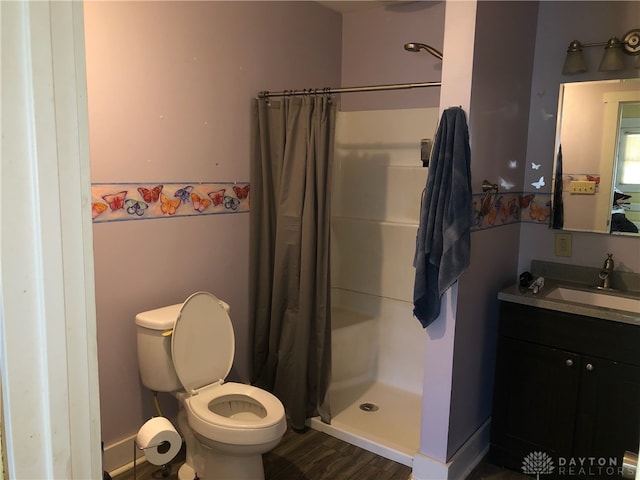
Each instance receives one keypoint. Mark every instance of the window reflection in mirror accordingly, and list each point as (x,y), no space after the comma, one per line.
(625,215)
(596,129)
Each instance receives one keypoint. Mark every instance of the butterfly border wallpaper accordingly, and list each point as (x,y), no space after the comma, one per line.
(497,209)
(139,201)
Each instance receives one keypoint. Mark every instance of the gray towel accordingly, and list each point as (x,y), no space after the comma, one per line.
(443,243)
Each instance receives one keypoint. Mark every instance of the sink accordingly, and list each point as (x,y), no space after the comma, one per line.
(595,299)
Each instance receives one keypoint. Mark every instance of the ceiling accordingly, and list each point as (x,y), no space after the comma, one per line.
(354,6)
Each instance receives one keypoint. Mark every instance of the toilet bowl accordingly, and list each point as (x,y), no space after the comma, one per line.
(226,426)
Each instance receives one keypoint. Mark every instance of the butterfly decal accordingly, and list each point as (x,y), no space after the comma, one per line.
(491,218)
(241,192)
(184,193)
(217,197)
(199,204)
(539,184)
(504,184)
(115,200)
(537,213)
(594,178)
(525,200)
(97,208)
(168,206)
(487,203)
(231,203)
(545,115)
(536,166)
(513,164)
(497,207)
(150,195)
(508,210)
(135,207)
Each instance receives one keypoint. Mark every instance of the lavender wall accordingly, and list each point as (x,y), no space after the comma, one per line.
(373,54)
(558,24)
(498,120)
(169,89)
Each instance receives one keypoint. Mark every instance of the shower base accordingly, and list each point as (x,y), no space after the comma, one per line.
(391,431)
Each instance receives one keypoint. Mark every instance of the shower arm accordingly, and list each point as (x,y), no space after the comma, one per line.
(416,47)
(410,47)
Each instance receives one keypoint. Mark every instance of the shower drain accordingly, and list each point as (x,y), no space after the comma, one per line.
(369,407)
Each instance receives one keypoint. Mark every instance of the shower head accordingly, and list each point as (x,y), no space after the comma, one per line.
(416,47)
(411,47)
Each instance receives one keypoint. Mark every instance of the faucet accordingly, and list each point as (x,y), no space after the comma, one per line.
(605,273)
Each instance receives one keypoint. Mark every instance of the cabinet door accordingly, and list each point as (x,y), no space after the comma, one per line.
(608,410)
(536,390)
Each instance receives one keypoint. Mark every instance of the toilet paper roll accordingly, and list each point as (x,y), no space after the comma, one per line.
(159,440)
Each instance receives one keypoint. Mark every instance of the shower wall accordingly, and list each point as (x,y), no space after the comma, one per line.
(378,182)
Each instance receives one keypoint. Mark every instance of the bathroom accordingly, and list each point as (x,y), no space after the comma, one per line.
(183,130)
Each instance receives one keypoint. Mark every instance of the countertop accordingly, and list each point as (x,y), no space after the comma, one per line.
(513,294)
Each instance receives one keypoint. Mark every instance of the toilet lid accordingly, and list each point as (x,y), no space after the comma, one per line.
(202,344)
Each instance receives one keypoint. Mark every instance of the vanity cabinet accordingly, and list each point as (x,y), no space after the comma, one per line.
(565,385)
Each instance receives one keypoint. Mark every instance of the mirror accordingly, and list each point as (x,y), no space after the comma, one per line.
(598,132)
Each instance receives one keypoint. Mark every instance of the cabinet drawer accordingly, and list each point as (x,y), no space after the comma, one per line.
(616,341)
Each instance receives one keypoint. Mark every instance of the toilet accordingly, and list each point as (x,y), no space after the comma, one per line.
(187,349)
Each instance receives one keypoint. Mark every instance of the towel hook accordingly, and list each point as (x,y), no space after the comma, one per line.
(487,186)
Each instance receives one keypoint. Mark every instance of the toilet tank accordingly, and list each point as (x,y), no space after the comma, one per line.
(153,329)
(154,348)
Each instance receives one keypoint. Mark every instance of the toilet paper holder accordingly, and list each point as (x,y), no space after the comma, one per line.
(163,446)
(164,469)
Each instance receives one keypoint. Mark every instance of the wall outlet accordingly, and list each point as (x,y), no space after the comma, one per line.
(563,245)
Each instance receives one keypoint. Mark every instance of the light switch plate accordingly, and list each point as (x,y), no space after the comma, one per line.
(563,245)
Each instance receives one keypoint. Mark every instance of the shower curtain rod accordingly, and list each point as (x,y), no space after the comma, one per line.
(330,90)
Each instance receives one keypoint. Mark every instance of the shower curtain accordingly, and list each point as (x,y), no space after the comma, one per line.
(291,161)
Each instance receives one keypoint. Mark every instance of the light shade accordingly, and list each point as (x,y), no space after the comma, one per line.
(613,58)
(574,63)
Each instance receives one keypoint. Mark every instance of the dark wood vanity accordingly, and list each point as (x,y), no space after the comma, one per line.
(566,386)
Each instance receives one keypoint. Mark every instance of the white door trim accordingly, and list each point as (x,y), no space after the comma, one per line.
(48,345)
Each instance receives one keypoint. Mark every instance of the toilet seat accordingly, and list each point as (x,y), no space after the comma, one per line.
(259,422)
(202,343)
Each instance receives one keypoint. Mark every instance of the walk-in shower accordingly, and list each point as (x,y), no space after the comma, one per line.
(378,348)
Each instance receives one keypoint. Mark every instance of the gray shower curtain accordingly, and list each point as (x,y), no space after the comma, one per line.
(291,159)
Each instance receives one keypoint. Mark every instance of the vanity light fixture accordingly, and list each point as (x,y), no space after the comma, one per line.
(613,57)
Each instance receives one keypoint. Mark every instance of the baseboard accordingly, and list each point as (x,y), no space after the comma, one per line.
(118,456)
(460,465)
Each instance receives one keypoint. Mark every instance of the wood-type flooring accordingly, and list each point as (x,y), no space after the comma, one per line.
(314,455)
